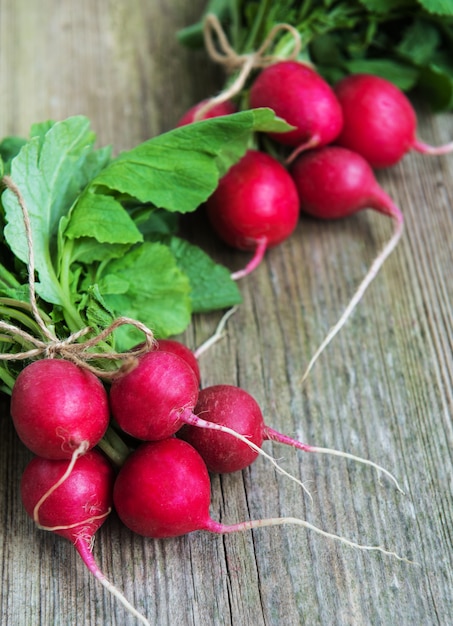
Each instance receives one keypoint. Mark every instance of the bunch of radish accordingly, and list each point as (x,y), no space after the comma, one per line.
(172,435)
(323,167)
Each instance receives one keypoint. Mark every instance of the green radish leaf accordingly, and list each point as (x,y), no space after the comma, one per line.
(102,218)
(439,7)
(384,6)
(180,169)
(403,75)
(154,223)
(437,87)
(147,285)
(420,42)
(49,172)
(9,147)
(211,285)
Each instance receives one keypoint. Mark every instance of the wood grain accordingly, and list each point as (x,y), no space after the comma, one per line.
(382,390)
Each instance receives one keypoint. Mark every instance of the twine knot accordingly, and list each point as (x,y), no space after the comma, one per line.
(71,347)
(223,53)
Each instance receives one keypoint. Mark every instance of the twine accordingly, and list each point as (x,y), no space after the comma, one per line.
(69,348)
(225,55)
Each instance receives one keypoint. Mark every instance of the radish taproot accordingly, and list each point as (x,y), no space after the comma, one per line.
(203,111)
(56,406)
(234,407)
(163,490)
(379,121)
(255,206)
(334,182)
(73,499)
(299,95)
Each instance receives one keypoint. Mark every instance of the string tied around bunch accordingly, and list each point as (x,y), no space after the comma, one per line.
(220,51)
(70,347)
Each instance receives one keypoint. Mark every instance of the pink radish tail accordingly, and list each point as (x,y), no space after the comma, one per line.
(424,148)
(216,527)
(273,435)
(385,205)
(188,417)
(261,247)
(82,546)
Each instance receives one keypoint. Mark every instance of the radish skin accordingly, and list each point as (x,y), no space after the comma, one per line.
(254,207)
(73,500)
(379,121)
(56,406)
(181,350)
(203,111)
(299,95)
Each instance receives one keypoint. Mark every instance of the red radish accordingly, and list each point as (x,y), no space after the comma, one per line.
(73,500)
(334,182)
(56,406)
(299,95)
(150,401)
(155,399)
(379,121)
(181,350)
(163,490)
(201,111)
(255,206)
(234,407)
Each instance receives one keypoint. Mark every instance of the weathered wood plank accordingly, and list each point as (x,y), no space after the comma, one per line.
(383,388)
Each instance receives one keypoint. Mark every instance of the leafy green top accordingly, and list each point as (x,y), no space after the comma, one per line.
(409,42)
(104,230)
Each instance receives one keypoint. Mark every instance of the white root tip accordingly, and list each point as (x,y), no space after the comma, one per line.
(371,274)
(353,457)
(218,334)
(124,601)
(277,521)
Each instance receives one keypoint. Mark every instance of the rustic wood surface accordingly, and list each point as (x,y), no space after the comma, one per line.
(383,389)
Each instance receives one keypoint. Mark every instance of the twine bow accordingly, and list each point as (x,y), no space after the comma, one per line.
(224,54)
(70,348)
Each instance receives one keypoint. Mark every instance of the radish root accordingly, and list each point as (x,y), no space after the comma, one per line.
(189,418)
(84,551)
(219,528)
(218,334)
(372,272)
(79,451)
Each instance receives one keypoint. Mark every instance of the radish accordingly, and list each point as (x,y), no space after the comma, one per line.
(56,406)
(163,490)
(181,350)
(379,121)
(255,206)
(155,399)
(73,500)
(203,111)
(299,95)
(234,407)
(334,182)
(151,401)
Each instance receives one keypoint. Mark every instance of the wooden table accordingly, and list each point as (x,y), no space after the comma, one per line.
(383,388)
